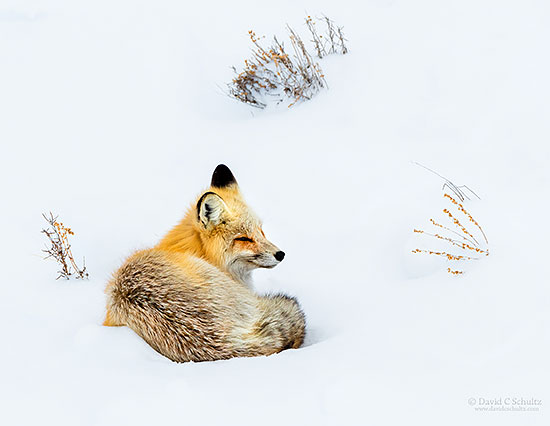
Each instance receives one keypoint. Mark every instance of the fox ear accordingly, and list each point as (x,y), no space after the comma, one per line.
(222,177)
(210,209)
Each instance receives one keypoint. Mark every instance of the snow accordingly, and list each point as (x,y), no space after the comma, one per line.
(112,116)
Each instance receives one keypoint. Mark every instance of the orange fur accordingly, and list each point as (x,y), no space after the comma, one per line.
(109,322)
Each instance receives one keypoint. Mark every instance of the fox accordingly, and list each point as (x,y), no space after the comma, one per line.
(191,296)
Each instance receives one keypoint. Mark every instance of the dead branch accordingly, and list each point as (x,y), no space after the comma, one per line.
(60,249)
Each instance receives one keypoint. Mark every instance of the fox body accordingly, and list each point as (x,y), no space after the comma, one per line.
(190,297)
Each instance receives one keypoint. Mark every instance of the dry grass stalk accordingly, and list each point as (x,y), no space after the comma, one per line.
(271,71)
(333,40)
(471,244)
(468,215)
(459,225)
(455,243)
(449,256)
(309,72)
(450,230)
(455,189)
(60,249)
(316,40)
(342,40)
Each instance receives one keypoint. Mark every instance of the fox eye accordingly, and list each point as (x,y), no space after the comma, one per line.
(250,240)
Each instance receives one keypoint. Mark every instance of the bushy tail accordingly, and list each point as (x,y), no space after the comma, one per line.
(282,321)
(146,295)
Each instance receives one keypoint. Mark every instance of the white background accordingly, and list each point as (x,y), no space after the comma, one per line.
(111,115)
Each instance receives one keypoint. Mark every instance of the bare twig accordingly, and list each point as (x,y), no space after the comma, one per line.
(454,188)
(60,249)
(342,40)
(331,34)
(316,38)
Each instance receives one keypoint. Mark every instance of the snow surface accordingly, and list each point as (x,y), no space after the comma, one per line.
(111,115)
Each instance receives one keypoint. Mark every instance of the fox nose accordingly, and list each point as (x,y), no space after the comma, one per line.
(280,255)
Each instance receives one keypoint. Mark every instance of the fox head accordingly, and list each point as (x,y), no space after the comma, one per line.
(231,234)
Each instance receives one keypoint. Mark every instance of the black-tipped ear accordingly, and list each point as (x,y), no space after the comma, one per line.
(210,209)
(222,177)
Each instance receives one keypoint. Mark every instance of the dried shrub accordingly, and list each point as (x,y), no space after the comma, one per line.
(466,228)
(60,249)
(468,245)
(272,73)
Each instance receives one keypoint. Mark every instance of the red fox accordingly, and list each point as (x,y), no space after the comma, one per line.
(190,297)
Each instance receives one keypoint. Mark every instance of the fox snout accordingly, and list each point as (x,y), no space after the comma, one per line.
(272,255)
(269,258)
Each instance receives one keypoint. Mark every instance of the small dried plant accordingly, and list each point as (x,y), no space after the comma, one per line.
(60,249)
(460,231)
(463,238)
(273,73)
